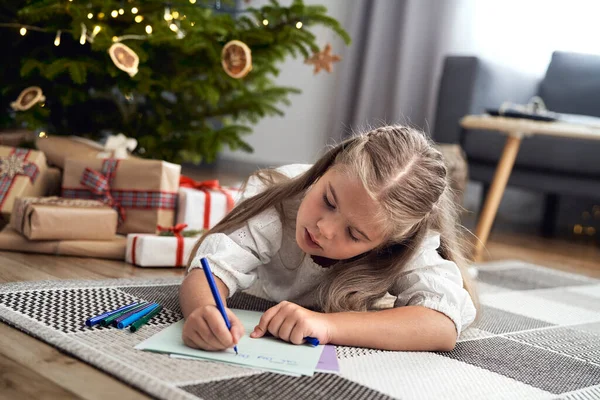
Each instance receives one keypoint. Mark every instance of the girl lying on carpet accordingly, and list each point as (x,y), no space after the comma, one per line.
(373,218)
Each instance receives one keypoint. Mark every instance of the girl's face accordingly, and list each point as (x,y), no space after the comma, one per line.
(335,218)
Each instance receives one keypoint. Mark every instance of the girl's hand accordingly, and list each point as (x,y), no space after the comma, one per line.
(292,323)
(205,329)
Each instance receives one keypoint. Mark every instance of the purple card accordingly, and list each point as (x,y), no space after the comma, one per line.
(328,361)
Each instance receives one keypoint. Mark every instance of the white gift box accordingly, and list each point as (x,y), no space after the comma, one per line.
(147,250)
(203,209)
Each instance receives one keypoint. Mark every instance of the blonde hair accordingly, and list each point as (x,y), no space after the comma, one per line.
(402,171)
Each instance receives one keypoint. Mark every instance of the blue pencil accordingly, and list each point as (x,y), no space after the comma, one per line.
(215,293)
(96,319)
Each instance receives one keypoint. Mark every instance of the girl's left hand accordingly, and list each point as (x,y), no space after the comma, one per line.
(292,323)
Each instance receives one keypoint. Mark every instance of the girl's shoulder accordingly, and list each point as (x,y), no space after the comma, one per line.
(427,252)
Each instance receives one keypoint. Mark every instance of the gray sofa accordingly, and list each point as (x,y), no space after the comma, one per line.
(552,165)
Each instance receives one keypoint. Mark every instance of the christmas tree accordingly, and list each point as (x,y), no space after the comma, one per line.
(192,76)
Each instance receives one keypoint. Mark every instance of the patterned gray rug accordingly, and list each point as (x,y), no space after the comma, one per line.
(538,338)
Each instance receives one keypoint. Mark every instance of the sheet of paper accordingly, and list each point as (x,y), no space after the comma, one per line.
(264,369)
(328,361)
(266,352)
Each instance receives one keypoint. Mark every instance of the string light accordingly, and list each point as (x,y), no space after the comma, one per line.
(42,134)
(265,22)
(83,32)
(115,39)
(168,16)
(299,25)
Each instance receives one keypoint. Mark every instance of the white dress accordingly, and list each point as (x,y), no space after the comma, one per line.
(263,255)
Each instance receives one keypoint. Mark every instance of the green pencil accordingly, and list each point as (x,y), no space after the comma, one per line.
(138,324)
(107,321)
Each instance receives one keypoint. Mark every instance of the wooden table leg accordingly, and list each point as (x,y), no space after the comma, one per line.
(490,208)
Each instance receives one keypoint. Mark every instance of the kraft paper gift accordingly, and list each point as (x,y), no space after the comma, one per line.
(17,137)
(52,218)
(22,173)
(58,149)
(53,181)
(143,192)
(11,240)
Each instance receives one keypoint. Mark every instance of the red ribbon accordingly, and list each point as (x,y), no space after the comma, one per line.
(99,184)
(133,246)
(177,229)
(206,186)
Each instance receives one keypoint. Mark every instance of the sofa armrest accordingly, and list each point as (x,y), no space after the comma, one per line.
(469,85)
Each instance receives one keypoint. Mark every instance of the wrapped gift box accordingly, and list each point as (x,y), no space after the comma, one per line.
(114,249)
(57,149)
(144,192)
(17,137)
(146,250)
(51,218)
(22,173)
(203,204)
(53,181)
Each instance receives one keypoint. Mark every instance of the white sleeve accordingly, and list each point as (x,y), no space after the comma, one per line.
(235,257)
(433,282)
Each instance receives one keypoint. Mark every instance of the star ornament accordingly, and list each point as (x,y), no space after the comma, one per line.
(11,166)
(323,59)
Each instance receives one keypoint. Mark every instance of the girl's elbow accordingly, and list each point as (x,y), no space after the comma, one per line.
(447,342)
(448,345)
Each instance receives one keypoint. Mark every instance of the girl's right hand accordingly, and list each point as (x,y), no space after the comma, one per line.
(205,329)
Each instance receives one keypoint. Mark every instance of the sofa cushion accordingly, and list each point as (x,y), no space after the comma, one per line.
(572,84)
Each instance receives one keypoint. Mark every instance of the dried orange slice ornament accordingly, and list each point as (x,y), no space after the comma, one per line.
(124,58)
(236,59)
(28,98)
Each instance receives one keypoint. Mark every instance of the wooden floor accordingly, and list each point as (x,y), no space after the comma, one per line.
(31,369)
